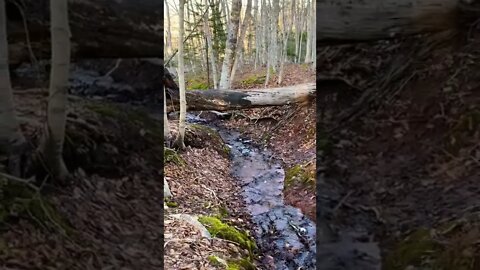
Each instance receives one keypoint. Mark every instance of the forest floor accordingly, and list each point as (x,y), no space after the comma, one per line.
(203,185)
(109,215)
(404,163)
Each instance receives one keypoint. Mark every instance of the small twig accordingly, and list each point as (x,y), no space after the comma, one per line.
(341,202)
(178,240)
(117,64)
(20,180)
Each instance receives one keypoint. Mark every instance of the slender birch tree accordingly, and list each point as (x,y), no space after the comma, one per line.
(57,100)
(11,138)
(231,44)
(240,41)
(180,140)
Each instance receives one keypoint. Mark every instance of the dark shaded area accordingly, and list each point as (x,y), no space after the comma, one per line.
(100,29)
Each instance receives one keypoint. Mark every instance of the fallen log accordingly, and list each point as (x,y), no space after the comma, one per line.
(100,29)
(224,100)
(347,20)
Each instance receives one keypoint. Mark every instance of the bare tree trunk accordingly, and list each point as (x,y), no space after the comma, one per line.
(231,44)
(169,31)
(301,39)
(179,141)
(308,52)
(11,138)
(286,31)
(314,35)
(241,38)
(274,36)
(57,100)
(213,60)
(225,10)
(258,34)
(166,128)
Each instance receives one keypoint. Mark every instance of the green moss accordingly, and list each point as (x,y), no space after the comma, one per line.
(222,230)
(198,86)
(201,136)
(198,82)
(223,212)
(302,174)
(170,155)
(227,150)
(215,260)
(253,80)
(240,264)
(266,137)
(19,200)
(467,125)
(171,204)
(232,264)
(104,109)
(415,250)
(324,143)
(135,118)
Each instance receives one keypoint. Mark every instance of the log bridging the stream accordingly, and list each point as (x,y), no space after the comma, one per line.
(223,100)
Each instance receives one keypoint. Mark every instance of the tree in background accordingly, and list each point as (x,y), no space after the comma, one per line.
(231,45)
(11,138)
(52,147)
(268,34)
(179,141)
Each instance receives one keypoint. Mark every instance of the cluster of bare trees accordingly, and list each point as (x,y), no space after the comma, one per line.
(264,33)
(222,37)
(11,137)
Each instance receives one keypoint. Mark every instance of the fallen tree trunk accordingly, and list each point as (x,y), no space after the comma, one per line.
(348,20)
(224,100)
(100,29)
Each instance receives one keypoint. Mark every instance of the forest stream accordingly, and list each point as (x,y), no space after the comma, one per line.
(281,231)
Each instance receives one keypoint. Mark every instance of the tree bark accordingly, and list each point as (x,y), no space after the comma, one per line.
(11,137)
(100,29)
(180,139)
(240,41)
(231,45)
(224,100)
(57,100)
(379,19)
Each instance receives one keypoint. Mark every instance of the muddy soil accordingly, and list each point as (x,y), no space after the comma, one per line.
(404,162)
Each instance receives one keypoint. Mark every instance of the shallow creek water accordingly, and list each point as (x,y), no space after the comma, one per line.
(281,231)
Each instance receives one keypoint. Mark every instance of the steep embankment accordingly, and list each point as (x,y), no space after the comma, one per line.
(214,189)
(289,131)
(109,215)
(405,155)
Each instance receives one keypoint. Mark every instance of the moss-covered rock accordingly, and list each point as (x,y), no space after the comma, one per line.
(170,155)
(412,251)
(450,246)
(240,264)
(301,174)
(131,119)
(18,200)
(171,204)
(232,264)
(200,136)
(219,229)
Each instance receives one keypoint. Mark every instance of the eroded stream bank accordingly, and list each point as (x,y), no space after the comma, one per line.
(283,233)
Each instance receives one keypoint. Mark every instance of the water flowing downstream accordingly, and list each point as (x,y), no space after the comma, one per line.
(282,231)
